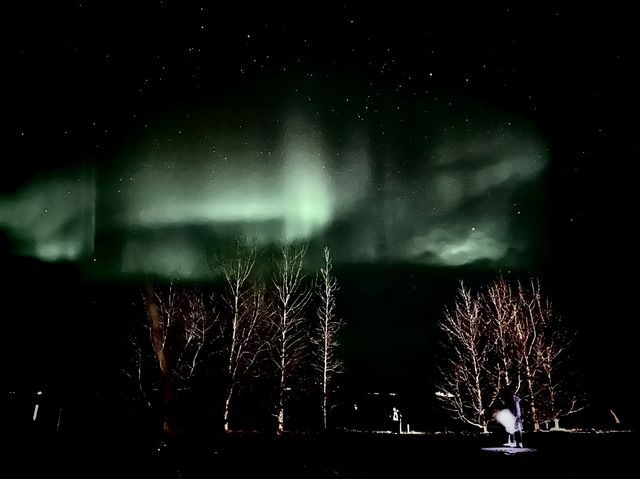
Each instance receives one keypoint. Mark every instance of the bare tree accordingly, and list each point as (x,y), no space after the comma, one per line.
(528,329)
(178,328)
(469,379)
(500,306)
(325,337)
(195,332)
(539,346)
(290,338)
(522,338)
(246,303)
(558,397)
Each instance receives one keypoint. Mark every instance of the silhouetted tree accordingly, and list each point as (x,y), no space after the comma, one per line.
(171,343)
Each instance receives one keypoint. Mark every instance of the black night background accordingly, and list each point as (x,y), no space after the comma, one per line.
(423,145)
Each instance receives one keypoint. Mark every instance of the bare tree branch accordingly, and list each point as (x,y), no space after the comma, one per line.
(245,300)
(289,340)
(469,379)
(506,337)
(325,336)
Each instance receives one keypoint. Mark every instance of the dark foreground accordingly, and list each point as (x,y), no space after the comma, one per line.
(554,454)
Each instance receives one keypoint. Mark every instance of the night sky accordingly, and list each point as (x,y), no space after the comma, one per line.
(422,146)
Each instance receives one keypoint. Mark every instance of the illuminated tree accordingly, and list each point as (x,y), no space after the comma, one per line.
(469,376)
(529,330)
(248,314)
(556,395)
(499,305)
(290,338)
(325,336)
(506,337)
(540,346)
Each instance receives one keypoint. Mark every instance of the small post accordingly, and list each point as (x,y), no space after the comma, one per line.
(59,418)
(35,410)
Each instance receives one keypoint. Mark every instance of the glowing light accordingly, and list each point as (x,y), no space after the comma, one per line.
(52,218)
(167,203)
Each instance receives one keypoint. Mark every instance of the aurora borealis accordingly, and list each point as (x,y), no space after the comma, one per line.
(450,199)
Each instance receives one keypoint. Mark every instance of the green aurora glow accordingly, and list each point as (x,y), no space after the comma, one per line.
(438,192)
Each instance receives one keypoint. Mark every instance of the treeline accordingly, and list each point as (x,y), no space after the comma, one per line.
(267,336)
(506,338)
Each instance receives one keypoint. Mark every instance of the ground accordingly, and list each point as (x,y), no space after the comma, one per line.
(337,455)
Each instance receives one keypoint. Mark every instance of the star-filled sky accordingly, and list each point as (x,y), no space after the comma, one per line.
(139,139)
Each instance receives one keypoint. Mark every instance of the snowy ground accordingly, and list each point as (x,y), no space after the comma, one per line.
(509,450)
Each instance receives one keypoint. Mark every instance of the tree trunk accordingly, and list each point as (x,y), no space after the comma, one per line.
(324,411)
(280,414)
(534,412)
(324,388)
(280,410)
(227,406)
(156,325)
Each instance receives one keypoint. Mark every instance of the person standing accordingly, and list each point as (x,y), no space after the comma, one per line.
(513,404)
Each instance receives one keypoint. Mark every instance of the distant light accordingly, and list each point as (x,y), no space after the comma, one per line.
(39,393)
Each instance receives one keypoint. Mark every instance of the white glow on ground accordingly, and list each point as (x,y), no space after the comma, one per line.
(509,450)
